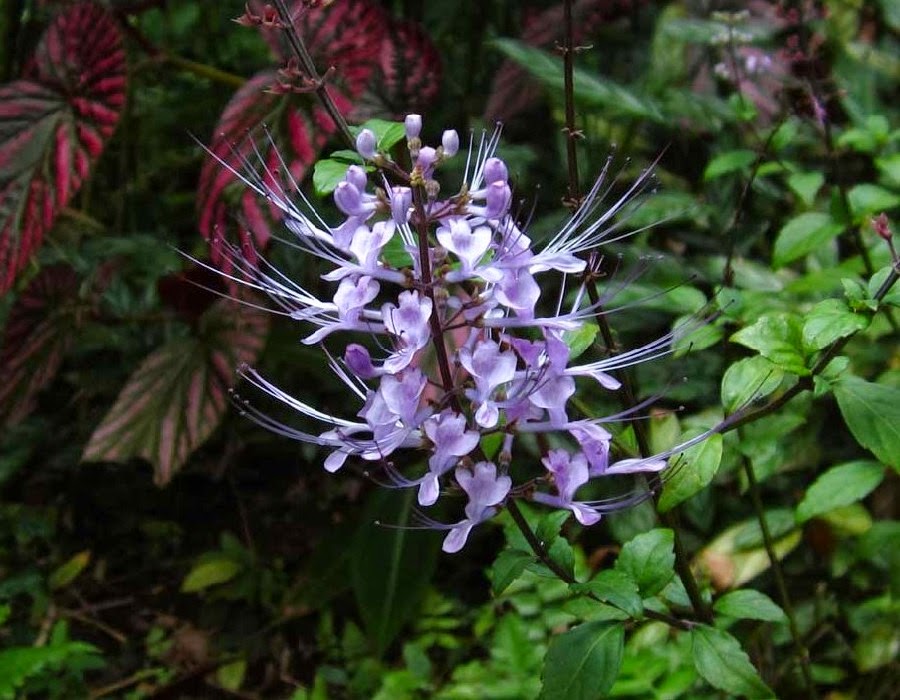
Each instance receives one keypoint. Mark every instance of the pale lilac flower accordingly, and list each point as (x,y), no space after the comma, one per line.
(450,440)
(485,490)
(465,342)
(569,472)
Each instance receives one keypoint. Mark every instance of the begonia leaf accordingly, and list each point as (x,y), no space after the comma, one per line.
(39,330)
(178,396)
(54,124)
(346,36)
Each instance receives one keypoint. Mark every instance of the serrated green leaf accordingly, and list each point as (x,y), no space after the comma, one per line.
(840,486)
(872,412)
(748,380)
(718,657)
(747,604)
(828,321)
(583,663)
(210,571)
(777,337)
(509,565)
(701,462)
(802,235)
(728,162)
(649,559)
(613,587)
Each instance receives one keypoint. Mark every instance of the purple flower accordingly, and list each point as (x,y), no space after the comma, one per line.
(467,343)
(485,490)
(569,473)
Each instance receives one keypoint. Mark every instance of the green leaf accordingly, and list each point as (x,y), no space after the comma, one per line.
(828,321)
(391,568)
(748,604)
(387,132)
(328,174)
(872,412)
(840,486)
(748,380)
(179,394)
(590,90)
(614,587)
(868,199)
(728,162)
(701,462)
(583,663)
(649,559)
(67,573)
(580,339)
(209,571)
(718,657)
(806,185)
(395,255)
(802,235)
(508,566)
(777,337)
(231,676)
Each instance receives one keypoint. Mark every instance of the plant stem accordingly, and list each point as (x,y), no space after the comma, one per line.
(670,520)
(321,90)
(568,49)
(800,649)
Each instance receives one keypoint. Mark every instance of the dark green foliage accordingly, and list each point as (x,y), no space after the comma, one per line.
(253,572)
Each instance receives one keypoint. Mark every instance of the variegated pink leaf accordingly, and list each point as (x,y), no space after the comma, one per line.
(178,396)
(407,77)
(53,126)
(344,37)
(39,330)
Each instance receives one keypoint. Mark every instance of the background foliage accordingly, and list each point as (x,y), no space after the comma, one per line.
(155,544)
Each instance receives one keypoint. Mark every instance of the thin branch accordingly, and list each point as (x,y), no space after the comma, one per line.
(800,649)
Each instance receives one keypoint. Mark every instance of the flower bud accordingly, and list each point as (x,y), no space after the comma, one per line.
(413,126)
(450,142)
(426,159)
(498,198)
(401,201)
(495,170)
(365,144)
(359,361)
(882,226)
(357,176)
(347,198)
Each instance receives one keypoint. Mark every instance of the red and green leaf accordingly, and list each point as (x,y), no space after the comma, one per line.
(179,395)
(53,126)
(39,330)
(407,76)
(346,36)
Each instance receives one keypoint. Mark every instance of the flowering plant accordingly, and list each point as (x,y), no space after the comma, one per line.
(460,348)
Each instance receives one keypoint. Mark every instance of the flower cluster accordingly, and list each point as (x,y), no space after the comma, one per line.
(457,345)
